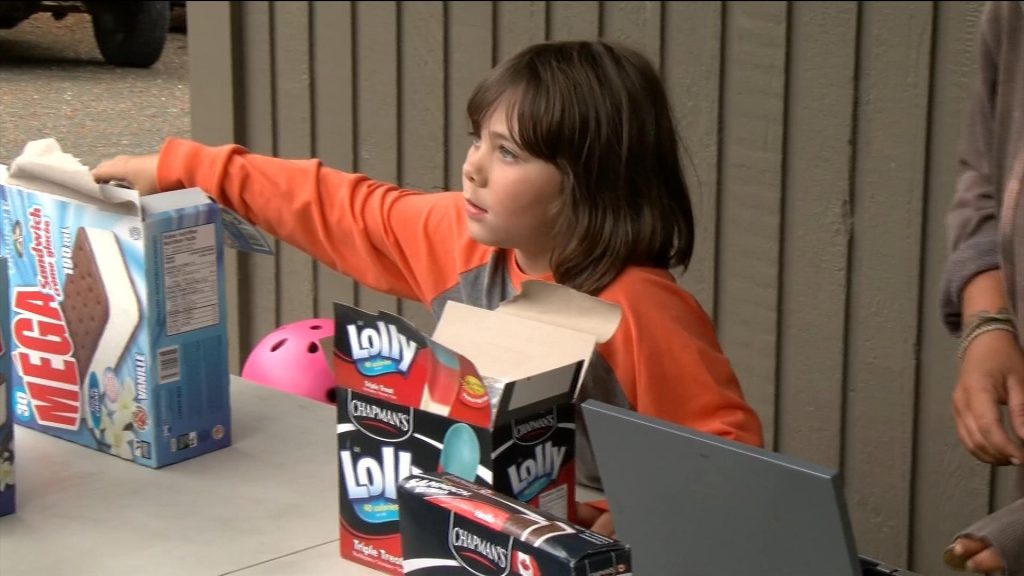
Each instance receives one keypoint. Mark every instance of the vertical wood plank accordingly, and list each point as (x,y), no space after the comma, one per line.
(214,83)
(258,273)
(574,20)
(635,24)
(421,141)
(1007,483)
(951,488)
(691,72)
(293,130)
(753,116)
(333,134)
(214,73)
(817,230)
(376,116)
(895,44)
(469,54)
(518,25)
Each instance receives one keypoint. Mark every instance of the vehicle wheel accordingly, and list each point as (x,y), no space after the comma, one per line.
(130,33)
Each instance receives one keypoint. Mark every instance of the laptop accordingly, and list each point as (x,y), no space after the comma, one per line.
(694,503)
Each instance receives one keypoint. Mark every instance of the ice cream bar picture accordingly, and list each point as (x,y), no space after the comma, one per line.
(460,454)
(442,382)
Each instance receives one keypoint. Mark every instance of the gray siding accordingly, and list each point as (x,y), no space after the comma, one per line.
(820,145)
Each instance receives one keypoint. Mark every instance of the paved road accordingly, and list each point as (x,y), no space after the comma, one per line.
(53,83)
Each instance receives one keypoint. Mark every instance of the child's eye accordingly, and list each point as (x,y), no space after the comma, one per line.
(507,154)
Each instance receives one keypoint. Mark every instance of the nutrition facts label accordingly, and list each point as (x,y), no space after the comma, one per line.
(555,501)
(190,278)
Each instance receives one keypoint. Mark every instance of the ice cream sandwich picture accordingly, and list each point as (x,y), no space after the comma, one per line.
(101,310)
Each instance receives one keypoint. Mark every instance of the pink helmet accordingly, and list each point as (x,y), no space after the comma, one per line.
(291,359)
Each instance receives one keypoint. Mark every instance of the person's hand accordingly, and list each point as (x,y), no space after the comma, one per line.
(973,555)
(595,519)
(992,374)
(139,172)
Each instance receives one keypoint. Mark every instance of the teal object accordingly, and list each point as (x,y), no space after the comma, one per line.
(460,454)
(445,356)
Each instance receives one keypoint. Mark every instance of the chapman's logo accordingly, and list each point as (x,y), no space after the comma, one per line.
(380,422)
(475,549)
(536,429)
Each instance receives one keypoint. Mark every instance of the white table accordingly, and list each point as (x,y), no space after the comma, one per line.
(266,505)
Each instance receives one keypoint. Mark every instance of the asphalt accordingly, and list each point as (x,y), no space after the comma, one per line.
(54,84)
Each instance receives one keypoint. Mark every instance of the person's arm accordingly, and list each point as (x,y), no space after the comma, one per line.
(668,361)
(992,368)
(397,241)
(972,221)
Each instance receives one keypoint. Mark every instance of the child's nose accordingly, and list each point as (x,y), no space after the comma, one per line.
(473,170)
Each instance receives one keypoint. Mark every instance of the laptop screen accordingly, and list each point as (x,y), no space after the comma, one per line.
(694,503)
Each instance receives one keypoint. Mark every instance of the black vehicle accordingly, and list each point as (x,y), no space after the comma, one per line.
(128,33)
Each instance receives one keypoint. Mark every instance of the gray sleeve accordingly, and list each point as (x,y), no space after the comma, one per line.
(1004,531)
(978,253)
(971,224)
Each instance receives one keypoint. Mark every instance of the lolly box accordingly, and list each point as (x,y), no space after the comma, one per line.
(489,397)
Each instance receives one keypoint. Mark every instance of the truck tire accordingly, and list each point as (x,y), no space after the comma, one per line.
(130,33)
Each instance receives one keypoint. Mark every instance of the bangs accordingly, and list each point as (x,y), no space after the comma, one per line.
(535,105)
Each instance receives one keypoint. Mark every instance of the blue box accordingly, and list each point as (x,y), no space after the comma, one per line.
(6,422)
(118,324)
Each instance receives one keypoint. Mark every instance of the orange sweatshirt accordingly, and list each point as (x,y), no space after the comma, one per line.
(664,360)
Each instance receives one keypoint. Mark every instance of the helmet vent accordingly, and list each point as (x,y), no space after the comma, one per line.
(313,348)
(316,327)
(277,345)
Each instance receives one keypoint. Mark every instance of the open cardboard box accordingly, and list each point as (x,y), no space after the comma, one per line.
(119,332)
(489,398)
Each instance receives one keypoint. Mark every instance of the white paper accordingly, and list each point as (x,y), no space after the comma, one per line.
(44,167)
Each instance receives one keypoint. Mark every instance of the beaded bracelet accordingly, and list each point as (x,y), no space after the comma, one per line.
(985,323)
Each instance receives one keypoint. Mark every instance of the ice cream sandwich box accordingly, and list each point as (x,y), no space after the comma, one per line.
(451,526)
(117,321)
(7,503)
(488,397)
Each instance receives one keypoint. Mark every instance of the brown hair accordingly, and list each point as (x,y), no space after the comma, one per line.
(599,113)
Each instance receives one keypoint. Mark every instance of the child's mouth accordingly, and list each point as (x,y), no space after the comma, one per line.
(473,210)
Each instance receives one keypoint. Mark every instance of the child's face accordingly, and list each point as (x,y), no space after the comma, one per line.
(510,195)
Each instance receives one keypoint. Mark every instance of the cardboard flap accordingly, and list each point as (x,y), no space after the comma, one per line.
(537,392)
(508,346)
(44,167)
(164,201)
(561,306)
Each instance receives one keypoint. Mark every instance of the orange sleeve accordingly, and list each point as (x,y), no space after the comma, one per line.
(406,243)
(668,361)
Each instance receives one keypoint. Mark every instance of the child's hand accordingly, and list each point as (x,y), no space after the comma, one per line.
(974,555)
(139,172)
(595,519)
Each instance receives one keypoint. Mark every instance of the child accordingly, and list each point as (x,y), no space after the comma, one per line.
(573,176)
